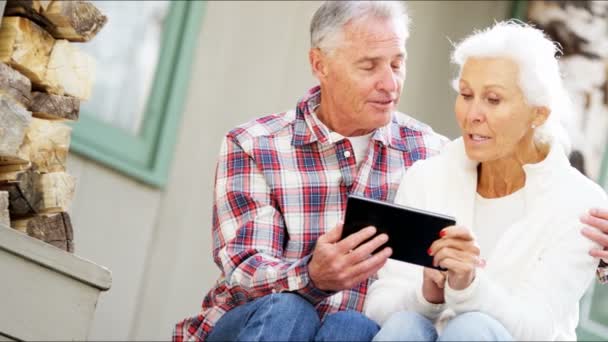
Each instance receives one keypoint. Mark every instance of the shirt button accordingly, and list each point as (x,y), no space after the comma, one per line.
(346,154)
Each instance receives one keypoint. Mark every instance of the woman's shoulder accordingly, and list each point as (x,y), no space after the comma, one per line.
(452,154)
(427,176)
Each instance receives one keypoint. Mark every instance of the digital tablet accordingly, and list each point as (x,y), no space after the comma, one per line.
(410,231)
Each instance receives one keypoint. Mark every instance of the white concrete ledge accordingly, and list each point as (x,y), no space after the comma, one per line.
(46,255)
(46,293)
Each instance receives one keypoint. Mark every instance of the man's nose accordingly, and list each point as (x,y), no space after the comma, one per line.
(388,80)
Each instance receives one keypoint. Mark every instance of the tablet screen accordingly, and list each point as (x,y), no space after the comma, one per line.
(410,231)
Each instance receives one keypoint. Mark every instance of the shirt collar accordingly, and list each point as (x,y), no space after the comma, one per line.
(308,128)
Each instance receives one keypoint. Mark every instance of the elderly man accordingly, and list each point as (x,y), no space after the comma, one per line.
(282,182)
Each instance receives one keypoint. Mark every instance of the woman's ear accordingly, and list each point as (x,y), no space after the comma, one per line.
(318,63)
(541,114)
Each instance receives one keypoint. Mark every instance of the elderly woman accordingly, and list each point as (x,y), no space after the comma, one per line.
(517,264)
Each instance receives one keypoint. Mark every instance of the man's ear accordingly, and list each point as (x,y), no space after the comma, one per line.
(541,114)
(318,63)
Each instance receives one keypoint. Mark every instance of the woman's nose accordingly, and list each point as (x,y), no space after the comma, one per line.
(475,114)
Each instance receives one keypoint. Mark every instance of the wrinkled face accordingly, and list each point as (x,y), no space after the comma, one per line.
(362,78)
(491,110)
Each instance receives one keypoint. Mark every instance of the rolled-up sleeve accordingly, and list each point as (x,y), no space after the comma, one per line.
(249,232)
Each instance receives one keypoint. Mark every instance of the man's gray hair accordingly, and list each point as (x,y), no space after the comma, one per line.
(328,21)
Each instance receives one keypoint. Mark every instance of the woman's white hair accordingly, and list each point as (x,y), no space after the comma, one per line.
(326,26)
(539,75)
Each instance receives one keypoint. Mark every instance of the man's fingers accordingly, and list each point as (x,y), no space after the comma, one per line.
(600,213)
(364,251)
(354,240)
(599,253)
(333,235)
(371,265)
(597,218)
(595,235)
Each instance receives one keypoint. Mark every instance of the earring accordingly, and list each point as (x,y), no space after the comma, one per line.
(533,126)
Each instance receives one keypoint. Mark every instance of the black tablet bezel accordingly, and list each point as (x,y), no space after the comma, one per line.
(411,231)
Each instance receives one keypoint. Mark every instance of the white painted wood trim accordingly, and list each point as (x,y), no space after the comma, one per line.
(54,258)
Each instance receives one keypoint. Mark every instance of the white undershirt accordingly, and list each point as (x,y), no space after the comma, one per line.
(360,143)
(493,216)
(360,146)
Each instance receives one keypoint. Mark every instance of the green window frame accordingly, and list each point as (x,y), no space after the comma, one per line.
(519,9)
(604,172)
(147,156)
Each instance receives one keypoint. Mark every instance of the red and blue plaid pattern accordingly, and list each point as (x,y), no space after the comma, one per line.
(281,182)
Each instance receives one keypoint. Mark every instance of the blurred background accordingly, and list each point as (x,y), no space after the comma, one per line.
(173,76)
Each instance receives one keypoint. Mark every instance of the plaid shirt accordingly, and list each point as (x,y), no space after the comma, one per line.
(602,272)
(280,183)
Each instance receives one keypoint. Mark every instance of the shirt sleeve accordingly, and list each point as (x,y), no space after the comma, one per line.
(542,301)
(249,232)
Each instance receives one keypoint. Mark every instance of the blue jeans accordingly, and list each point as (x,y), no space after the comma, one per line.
(289,317)
(470,326)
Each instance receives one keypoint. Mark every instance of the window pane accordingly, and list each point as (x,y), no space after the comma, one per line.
(126,51)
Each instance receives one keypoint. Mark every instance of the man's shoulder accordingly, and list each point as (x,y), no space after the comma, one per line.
(407,122)
(265,126)
(408,126)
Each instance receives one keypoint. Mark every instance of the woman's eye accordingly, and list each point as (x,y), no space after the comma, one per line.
(493,101)
(466,96)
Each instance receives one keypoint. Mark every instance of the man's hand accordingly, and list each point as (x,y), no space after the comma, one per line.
(597,218)
(433,285)
(339,265)
(456,251)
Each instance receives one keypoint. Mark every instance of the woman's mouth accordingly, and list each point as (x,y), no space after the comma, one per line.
(478,137)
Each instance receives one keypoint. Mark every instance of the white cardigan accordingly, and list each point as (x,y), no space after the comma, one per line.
(540,267)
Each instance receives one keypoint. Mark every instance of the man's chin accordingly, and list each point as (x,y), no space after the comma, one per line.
(383,118)
(382,107)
